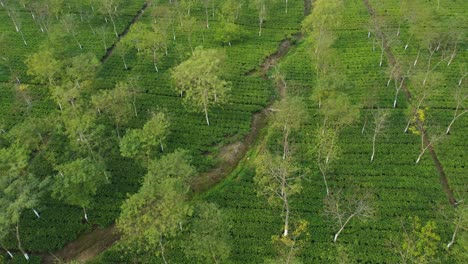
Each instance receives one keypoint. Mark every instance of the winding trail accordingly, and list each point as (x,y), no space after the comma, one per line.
(391,57)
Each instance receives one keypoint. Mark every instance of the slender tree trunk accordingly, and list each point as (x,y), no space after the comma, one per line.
(206,115)
(162,250)
(206,15)
(113,24)
(285,142)
(453,236)
(85,214)
(125,63)
(154,61)
(7,251)
(26,256)
(364,126)
(416,60)
(422,152)
(324,179)
(373,146)
(453,120)
(22,36)
(284,197)
(343,226)
(35,212)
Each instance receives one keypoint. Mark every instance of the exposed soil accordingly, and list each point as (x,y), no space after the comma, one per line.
(86,247)
(230,155)
(442,176)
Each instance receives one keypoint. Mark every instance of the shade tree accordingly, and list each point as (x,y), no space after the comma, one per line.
(141,144)
(77,182)
(342,207)
(278,179)
(160,209)
(199,80)
(208,238)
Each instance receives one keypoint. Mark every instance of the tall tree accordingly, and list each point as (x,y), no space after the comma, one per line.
(338,112)
(110,8)
(290,115)
(208,238)
(380,121)
(326,151)
(198,78)
(288,248)
(160,208)
(77,182)
(261,7)
(343,207)
(115,103)
(278,179)
(460,96)
(142,143)
(419,242)
(19,189)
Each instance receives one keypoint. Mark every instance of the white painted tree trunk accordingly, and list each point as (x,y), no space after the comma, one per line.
(85,214)
(36,213)
(453,237)
(343,226)
(454,119)
(422,153)
(373,147)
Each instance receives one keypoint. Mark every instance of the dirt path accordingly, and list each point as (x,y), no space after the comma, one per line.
(230,155)
(442,176)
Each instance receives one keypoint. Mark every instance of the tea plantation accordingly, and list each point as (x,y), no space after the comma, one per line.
(233,131)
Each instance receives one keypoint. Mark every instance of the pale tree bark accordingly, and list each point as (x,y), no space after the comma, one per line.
(380,120)
(20,247)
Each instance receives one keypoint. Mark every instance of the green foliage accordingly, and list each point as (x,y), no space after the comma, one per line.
(420,242)
(229,32)
(160,207)
(142,143)
(78,182)
(208,240)
(290,247)
(198,78)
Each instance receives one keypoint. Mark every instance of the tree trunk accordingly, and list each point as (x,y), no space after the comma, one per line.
(26,256)
(113,24)
(453,120)
(324,178)
(85,214)
(422,152)
(206,116)
(286,207)
(285,142)
(206,15)
(36,213)
(342,227)
(162,250)
(125,63)
(7,251)
(373,147)
(453,237)
(154,61)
